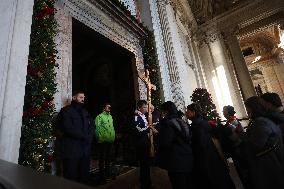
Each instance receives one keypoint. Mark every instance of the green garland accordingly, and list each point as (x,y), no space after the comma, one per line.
(151,63)
(40,89)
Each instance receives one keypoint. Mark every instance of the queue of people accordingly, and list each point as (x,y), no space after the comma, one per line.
(257,153)
(194,155)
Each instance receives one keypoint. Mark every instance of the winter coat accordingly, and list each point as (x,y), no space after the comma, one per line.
(141,131)
(264,152)
(104,128)
(174,146)
(75,130)
(210,170)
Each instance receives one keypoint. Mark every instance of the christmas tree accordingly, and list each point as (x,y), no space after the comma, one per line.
(204,99)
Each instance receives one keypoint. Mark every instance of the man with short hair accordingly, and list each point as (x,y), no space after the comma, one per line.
(105,135)
(274,101)
(74,139)
(143,144)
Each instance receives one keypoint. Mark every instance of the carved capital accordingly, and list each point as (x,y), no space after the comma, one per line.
(230,32)
(207,38)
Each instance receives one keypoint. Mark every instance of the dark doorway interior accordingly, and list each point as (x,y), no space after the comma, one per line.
(104,71)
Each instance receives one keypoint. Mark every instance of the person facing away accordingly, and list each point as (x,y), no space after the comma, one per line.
(232,121)
(230,137)
(264,147)
(275,109)
(141,130)
(273,101)
(75,138)
(174,147)
(210,169)
(105,135)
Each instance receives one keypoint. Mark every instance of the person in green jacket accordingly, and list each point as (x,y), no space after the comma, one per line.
(105,135)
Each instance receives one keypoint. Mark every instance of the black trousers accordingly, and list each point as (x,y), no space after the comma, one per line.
(76,169)
(104,159)
(180,180)
(145,163)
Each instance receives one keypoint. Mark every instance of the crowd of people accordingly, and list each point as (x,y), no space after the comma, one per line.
(195,155)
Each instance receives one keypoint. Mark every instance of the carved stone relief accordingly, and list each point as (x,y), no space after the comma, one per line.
(161,51)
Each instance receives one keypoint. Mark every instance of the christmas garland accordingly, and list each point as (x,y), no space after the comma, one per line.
(40,89)
(151,63)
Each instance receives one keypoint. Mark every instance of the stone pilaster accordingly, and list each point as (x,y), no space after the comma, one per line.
(161,52)
(240,66)
(165,15)
(219,72)
(15,22)
(63,42)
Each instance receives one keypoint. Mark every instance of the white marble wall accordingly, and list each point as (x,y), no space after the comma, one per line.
(15,28)
(189,75)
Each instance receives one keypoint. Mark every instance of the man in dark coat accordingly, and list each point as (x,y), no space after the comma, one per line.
(75,133)
(210,169)
(141,131)
(174,148)
(274,101)
(263,147)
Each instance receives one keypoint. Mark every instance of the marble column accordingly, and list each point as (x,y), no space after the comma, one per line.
(240,66)
(274,78)
(15,22)
(63,41)
(219,73)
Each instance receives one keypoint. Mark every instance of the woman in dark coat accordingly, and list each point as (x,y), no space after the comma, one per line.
(263,144)
(174,149)
(210,170)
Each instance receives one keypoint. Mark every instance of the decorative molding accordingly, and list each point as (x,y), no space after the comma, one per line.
(204,38)
(174,77)
(161,52)
(244,15)
(131,6)
(261,25)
